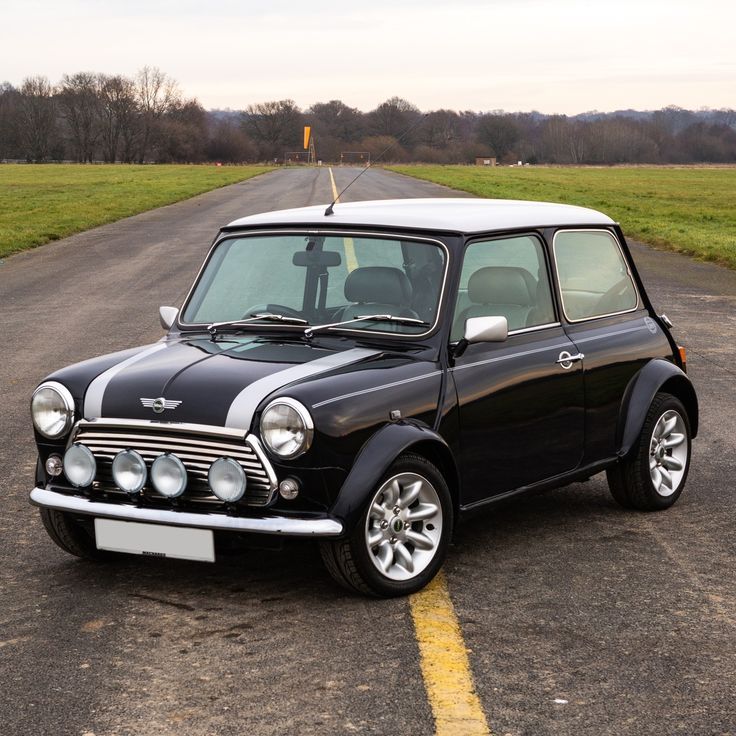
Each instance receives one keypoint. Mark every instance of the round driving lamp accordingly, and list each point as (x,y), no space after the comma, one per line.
(169,476)
(80,466)
(129,471)
(286,428)
(52,410)
(227,479)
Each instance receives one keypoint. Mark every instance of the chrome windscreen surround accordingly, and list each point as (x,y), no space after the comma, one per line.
(196,445)
(312,230)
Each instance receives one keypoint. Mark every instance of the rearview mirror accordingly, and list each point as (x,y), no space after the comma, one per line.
(167,316)
(325,258)
(486,329)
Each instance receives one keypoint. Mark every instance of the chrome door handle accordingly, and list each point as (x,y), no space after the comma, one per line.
(566,359)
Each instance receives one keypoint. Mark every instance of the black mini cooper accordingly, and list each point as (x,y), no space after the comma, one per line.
(367,376)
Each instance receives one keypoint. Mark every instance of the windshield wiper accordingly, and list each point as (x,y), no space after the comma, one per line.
(367,317)
(215,327)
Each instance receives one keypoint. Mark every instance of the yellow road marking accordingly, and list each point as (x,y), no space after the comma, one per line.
(444,661)
(350,260)
(334,186)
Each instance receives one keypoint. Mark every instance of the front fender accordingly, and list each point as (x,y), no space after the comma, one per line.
(657,375)
(376,457)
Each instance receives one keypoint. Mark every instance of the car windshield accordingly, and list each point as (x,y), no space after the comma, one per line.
(319,279)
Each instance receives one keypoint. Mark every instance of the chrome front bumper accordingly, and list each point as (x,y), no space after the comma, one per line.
(265,524)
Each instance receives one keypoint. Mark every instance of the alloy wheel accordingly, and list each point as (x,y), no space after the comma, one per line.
(404,526)
(668,453)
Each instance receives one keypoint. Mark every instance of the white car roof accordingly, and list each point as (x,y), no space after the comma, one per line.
(465,215)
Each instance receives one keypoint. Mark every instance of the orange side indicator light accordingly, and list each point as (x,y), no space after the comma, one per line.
(683,355)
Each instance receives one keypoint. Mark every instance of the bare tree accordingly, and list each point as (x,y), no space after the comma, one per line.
(10,146)
(563,141)
(724,117)
(703,142)
(617,139)
(394,117)
(184,131)
(274,126)
(157,94)
(146,119)
(337,126)
(498,132)
(673,119)
(38,117)
(228,142)
(79,104)
(337,120)
(119,118)
(440,129)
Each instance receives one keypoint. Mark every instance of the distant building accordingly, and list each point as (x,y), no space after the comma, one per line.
(485,161)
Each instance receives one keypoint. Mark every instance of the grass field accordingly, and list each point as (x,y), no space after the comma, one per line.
(690,209)
(40,203)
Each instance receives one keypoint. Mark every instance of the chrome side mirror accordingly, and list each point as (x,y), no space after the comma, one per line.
(167,316)
(486,329)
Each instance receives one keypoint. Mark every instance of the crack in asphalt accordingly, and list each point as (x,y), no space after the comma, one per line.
(704,357)
(164,601)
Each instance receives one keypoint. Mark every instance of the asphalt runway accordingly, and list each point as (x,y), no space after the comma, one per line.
(579,617)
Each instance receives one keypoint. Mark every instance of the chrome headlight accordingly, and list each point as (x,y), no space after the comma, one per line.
(286,428)
(52,410)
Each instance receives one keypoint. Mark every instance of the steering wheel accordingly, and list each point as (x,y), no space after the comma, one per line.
(608,300)
(273,308)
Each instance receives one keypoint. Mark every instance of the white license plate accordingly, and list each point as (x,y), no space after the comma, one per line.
(155,540)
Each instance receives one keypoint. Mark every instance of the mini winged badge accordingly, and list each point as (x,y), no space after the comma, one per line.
(159,404)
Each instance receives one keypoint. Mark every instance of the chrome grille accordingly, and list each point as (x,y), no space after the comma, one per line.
(197,446)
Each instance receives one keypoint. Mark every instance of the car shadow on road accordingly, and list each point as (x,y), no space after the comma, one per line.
(296,572)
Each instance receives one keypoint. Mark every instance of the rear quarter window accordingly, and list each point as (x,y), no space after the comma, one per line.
(593,276)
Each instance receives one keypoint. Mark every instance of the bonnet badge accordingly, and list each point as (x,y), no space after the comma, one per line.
(159,404)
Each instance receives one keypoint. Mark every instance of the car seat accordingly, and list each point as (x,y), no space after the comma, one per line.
(500,291)
(377,290)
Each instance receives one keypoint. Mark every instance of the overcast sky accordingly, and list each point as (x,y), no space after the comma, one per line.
(564,56)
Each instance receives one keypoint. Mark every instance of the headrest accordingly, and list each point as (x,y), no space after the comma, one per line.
(378,284)
(501,285)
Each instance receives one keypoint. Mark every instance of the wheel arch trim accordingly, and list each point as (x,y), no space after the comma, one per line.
(657,375)
(376,457)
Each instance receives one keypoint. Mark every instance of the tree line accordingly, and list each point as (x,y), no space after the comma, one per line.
(90,117)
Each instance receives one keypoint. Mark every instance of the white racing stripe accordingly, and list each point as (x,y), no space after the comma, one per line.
(376,388)
(96,390)
(240,414)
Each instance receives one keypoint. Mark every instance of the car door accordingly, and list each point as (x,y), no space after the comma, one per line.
(520,401)
(604,316)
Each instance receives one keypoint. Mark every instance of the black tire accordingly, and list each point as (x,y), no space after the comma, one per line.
(349,560)
(630,481)
(71,536)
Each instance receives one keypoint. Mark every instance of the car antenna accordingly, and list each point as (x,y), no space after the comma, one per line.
(330,209)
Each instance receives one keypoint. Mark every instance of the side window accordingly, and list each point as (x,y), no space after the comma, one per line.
(505,278)
(594,279)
